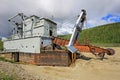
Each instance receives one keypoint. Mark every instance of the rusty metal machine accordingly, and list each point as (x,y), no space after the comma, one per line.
(73,46)
(35,41)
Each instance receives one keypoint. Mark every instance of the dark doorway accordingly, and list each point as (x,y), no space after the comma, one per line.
(16,56)
(51,33)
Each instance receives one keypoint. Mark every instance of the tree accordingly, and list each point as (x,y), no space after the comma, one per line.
(1,45)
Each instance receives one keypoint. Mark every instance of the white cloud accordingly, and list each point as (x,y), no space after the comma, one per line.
(93,23)
(65,28)
(60,9)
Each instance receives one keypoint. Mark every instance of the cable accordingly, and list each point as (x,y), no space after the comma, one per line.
(70,20)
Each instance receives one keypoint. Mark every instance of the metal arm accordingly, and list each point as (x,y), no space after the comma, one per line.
(76,32)
(19,14)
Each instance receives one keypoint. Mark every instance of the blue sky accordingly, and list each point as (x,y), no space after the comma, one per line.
(98,12)
(111,18)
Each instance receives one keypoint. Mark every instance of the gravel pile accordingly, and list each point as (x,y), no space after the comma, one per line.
(17,71)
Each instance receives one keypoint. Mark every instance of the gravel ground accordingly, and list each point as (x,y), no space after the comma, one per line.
(93,69)
(18,71)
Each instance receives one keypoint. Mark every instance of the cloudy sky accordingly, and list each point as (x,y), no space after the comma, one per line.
(64,12)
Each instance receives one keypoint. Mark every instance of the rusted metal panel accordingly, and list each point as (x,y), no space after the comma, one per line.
(54,58)
(45,58)
(7,56)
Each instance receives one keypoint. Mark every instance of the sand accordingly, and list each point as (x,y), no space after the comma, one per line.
(92,69)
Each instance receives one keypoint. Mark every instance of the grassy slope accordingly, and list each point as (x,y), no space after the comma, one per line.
(101,35)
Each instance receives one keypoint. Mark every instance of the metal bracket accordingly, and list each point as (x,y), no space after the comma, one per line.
(71,49)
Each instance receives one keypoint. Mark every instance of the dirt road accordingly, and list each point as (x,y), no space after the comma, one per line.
(93,69)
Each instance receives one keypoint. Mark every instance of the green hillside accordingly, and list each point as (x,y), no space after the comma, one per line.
(105,35)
